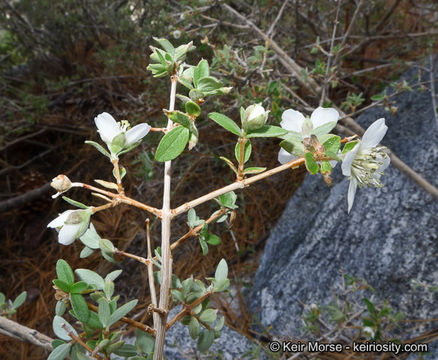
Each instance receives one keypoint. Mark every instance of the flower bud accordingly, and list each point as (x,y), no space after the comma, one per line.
(61,183)
(254,117)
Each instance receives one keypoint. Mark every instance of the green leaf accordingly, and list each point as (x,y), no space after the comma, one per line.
(60,331)
(228,200)
(78,287)
(166,45)
(98,147)
(91,278)
(179,117)
(349,146)
(254,170)
(200,71)
(2,298)
(229,163)
(113,275)
(108,288)
(208,316)
(205,340)
(75,203)
(333,144)
(80,307)
(311,164)
(122,172)
(61,285)
(267,131)
(326,167)
(172,144)
(209,84)
(64,272)
(106,246)
(203,244)
(194,327)
(213,239)
(94,322)
(60,352)
(122,311)
(225,122)
(192,108)
(191,217)
(60,308)
(91,238)
(370,306)
(220,324)
(196,95)
(19,300)
(247,151)
(104,312)
(127,350)
(221,273)
(86,251)
(218,287)
(144,342)
(177,295)
(324,129)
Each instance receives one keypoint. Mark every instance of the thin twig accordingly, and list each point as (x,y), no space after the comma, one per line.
(151,273)
(129,321)
(329,56)
(80,341)
(140,259)
(236,185)
(187,309)
(432,87)
(347,33)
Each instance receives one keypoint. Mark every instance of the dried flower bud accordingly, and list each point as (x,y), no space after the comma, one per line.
(61,183)
(254,117)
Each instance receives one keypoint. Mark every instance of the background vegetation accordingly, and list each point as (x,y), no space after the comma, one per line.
(63,62)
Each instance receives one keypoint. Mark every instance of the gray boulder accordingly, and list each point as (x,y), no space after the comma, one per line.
(389,238)
(179,345)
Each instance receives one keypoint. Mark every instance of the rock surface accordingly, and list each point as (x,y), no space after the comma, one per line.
(389,238)
(179,345)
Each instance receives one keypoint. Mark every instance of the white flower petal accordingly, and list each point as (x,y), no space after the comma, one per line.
(107,127)
(292,120)
(374,134)
(284,157)
(68,233)
(347,161)
(351,192)
(59,221)
(321,116)
(137,133)
(333,163)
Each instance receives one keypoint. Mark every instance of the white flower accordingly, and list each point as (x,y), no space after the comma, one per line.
(321,122)
(368,331)
(293,120)
(365,163)
(116,134)
(71,224)
(254,117)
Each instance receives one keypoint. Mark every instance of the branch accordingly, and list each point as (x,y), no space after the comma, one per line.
(236,185)
(187,309)
(25,198)
(129,321)
(23,333)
